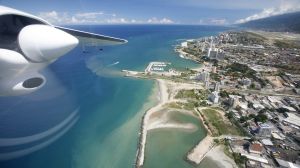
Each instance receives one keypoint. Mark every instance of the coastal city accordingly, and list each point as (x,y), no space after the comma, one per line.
(246,93)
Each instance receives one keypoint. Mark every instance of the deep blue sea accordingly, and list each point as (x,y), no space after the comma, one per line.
(88,115)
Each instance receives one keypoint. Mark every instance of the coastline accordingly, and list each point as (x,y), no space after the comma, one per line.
(220,158)
(166,94)
(163,97)
(199,152)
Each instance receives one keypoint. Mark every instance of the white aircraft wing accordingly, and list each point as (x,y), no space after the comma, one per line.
(93,39)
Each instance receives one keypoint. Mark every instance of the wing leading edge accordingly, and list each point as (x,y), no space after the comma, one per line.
(93,39)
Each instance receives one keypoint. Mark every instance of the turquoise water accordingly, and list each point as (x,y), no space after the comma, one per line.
(168,147)
(110,105)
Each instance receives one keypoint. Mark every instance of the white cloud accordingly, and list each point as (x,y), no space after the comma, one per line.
(89,15)
(224,4)
(213,21)
(51,17)
(155,20)
(286,6)
(117,21)
(55,17)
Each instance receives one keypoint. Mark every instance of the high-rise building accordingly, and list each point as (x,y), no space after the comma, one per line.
(265,130)
(214,97)
(217,87)
(206,76)
(206,83)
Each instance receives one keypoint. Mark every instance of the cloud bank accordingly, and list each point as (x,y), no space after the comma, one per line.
(286,6)
(99,17)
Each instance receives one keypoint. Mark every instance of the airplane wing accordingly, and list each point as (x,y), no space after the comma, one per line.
(91,38)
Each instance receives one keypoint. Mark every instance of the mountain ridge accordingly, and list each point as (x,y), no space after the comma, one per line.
(289,22)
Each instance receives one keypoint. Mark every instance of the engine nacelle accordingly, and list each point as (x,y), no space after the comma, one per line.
(44,43)
(18,76)
(11,63)
(21,84)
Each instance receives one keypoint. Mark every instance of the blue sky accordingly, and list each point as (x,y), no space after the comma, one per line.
(214,12)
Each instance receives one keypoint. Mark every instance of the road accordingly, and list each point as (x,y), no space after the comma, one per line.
(259,92)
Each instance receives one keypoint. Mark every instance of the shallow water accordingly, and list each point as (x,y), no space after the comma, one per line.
(111,106)
(168,147)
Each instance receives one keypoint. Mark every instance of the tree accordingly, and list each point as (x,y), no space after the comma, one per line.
(216,141)
(251,116)
(282,110)
(261,118)
(250,105)
(238,158)
(243,119)
(229,115)
(252,86)
(224,94)
(263,110)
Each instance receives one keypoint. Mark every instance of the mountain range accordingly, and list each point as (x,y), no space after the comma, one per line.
(285,22)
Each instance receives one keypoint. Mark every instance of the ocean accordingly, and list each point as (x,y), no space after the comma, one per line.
(88,114)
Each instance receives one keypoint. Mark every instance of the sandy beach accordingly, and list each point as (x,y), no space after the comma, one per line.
(201,150)
(163,92)
(217,154)
(158,117)
(164,98)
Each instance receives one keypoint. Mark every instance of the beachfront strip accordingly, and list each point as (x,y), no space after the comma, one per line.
(248,102)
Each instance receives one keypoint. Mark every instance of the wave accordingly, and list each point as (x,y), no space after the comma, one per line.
(116,63)
(181,39)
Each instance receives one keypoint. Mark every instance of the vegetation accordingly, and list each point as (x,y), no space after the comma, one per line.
(239,127)
(243,119)
(215,76)
(229,115)
(216,141)
(190,105)
(224,94)
(284,22)
(174,105)
(192,94)
(227,149)
(282,110)
(239,159)
(217,123)
(261,118)
(262,82)
(247,38)
(240,70)
(285,44)
(252,86)
(217,108)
